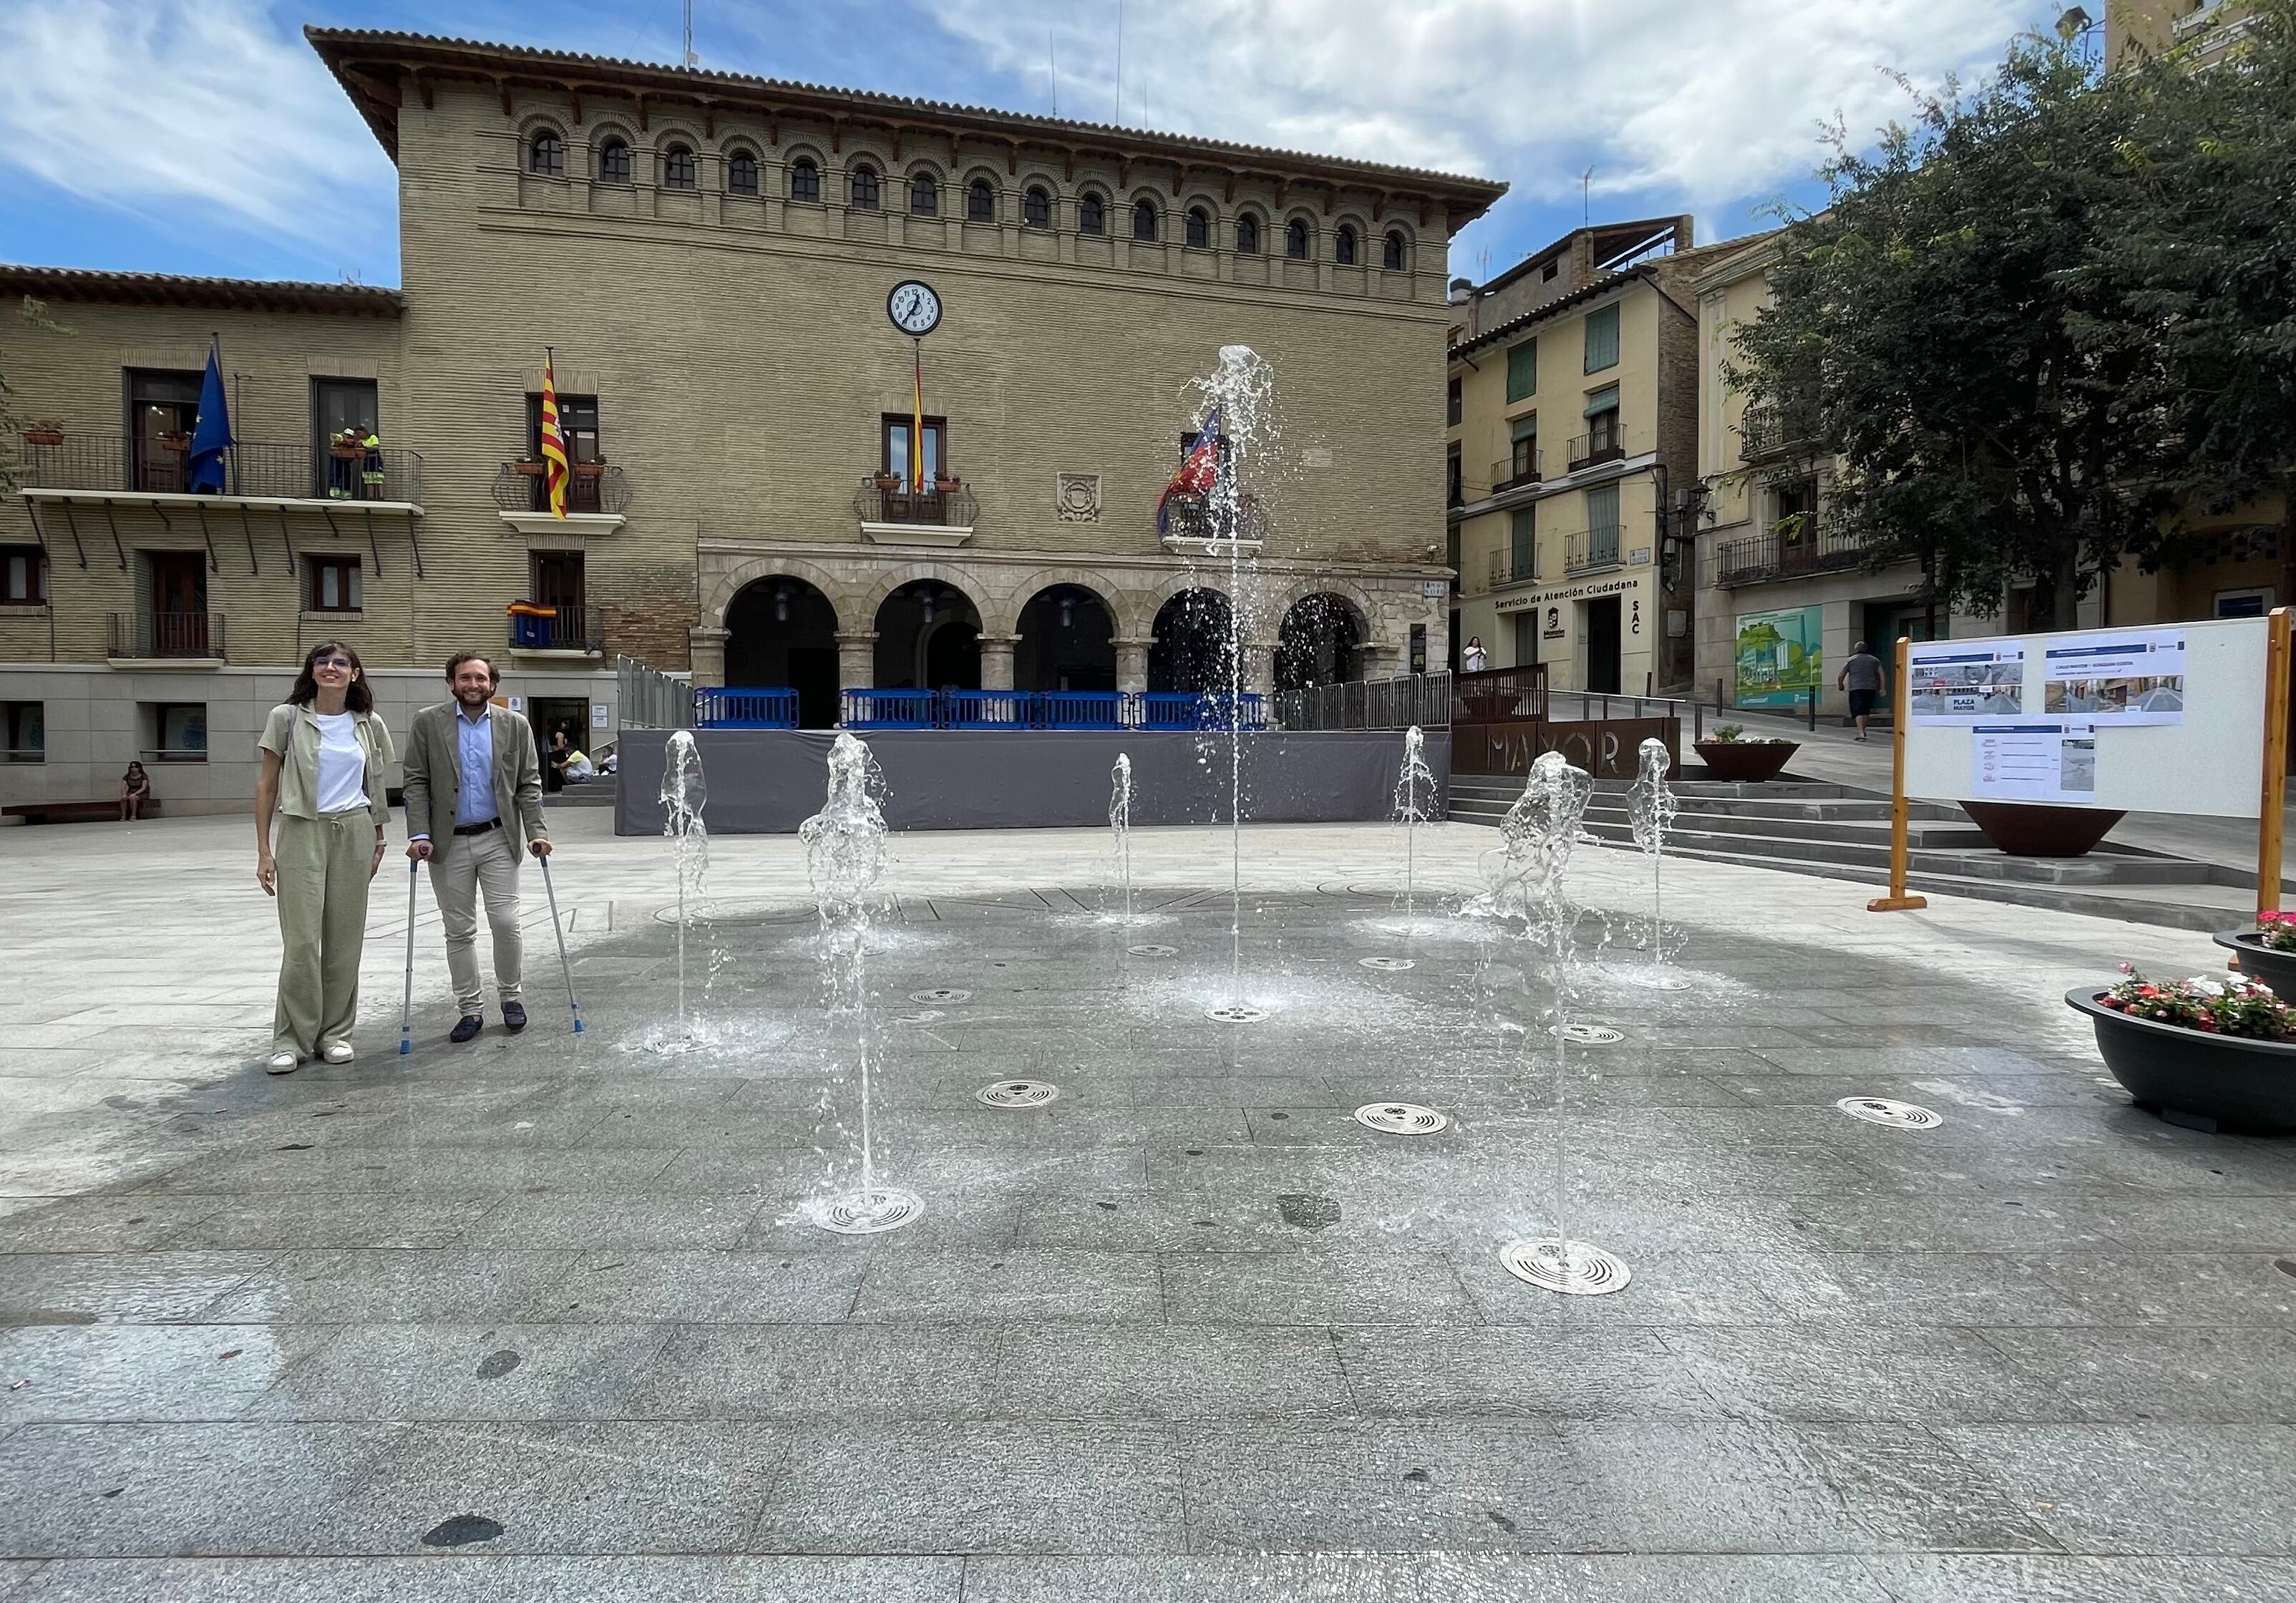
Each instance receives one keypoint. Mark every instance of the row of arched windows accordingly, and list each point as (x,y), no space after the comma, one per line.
(864,192)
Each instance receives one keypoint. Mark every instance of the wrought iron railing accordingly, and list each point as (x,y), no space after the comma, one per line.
(1516,471)
(554,626)
(1192,516)
(590,487)
(1588,450)
(744,706)
(1513,567)
(1590,549)
(165,635)
(955,507)
(1821,550)
(1499,695)
(1767,432)
(1424,700)
(112,462)
(1049,709)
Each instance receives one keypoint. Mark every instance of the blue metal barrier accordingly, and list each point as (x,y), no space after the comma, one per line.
(986,709)
(888,709)
(744,706)
(741,706)
(1079,709)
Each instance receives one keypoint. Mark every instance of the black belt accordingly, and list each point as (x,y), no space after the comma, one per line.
(478,829)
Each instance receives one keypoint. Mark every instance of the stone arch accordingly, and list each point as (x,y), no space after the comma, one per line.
(1141,607)
(886,581)
(1066,627)
(737,579)
(781,633)
(1193,644)
(1320,640)
(1309,223)
(602,134)
(1299,589)
(1364,239)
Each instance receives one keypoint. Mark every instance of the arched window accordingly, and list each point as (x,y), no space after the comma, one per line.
(1092,215)
(924,196)
(1390,252)
(980,201)
(1036,207)
(547,155)
(614,162)
(678,168)
(1143,219)
(741,174)
(1247,236)
(862,188)
(1295,240)
(805,179)
(1199,228)
(1343,246)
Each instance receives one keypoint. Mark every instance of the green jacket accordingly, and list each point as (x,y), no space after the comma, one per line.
(293,732)
(434,775)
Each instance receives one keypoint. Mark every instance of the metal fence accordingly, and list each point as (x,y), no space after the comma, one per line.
(160,635)
(251,468)
(1424,700)
(651,698)
(743,706)
(1049,709)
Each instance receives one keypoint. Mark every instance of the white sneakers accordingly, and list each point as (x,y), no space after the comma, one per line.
(282,1063)
(338,1051)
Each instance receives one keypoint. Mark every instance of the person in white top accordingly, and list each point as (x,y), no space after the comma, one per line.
(1474,657)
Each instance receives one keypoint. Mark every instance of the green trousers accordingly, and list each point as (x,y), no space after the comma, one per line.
(325,866)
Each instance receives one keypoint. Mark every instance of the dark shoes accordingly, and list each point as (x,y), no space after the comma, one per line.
(513,1016)
(467,1028)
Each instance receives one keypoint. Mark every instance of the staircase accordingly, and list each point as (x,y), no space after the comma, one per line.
(1833,831)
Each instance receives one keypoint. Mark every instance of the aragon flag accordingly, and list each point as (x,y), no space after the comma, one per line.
(553,443)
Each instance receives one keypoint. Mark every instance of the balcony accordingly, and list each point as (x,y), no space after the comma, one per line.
(1197,523)
(1590,551)
(892,513)
(111,467)
(1591,450)
(597,494)
(554,626)
(1767,433)
(1515,471)
(1513,567)
(196,637)
(1768,557)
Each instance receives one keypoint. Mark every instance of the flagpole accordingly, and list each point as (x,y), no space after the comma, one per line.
(917,419)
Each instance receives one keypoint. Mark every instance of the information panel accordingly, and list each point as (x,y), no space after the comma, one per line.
(2054,762)
(2130,678)
(1962,681)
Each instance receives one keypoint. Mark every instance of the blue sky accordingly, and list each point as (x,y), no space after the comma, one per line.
(162,135)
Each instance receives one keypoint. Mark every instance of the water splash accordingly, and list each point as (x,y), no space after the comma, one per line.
(1651,809)
(683,796)
(1120,824)
(844,858)
(1414,795)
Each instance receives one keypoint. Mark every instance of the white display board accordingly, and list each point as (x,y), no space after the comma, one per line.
(2161,718)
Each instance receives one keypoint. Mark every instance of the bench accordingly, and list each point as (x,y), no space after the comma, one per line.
(73,812)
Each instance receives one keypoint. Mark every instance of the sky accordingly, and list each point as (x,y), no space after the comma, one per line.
(202,136)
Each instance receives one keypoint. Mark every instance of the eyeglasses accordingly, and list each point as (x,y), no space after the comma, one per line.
(330,662)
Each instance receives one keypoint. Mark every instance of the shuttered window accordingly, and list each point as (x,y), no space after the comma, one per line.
(1522,370)
(1603,338)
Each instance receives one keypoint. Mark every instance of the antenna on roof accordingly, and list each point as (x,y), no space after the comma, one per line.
(1119,62)
(1052,56)
(690,59)
(1587,198)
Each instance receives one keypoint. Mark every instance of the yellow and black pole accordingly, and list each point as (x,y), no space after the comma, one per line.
(917,419)
(1898,900)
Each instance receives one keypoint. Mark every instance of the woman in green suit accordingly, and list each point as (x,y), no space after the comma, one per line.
(324,753)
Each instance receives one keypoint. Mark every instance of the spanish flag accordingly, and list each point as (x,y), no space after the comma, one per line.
(553,443)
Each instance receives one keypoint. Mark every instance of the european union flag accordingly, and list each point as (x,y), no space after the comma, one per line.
(211,435)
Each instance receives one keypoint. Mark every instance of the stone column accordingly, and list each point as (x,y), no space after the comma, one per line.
(1381,659)
(1259,667)
(705,653)
(1132,664)
(857,661)
(997,662)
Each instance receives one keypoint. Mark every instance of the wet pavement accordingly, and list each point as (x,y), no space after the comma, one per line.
(543,1318)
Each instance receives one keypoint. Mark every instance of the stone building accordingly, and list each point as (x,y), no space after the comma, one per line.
(708,257)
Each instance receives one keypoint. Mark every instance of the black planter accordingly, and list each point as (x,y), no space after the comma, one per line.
(2260,961)
(2038,829)
(2202,1082)
(1747,761)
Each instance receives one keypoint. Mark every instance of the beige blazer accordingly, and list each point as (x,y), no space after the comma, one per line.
(293,732)
(434,775)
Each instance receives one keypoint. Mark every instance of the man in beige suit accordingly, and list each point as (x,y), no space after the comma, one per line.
(472,777)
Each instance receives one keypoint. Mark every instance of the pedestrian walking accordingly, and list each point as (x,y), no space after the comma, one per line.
(324,753)
(1472,660)
(134,792)
(473,790)
(1865,678)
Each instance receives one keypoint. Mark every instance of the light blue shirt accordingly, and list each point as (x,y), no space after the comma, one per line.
(474,801)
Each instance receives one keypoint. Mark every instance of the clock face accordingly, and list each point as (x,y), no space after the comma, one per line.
(914,307)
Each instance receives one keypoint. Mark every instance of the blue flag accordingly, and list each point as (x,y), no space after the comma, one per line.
(211,435)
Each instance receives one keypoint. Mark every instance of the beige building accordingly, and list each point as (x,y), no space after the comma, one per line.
(709,258)
(2205,28)
(1572,431)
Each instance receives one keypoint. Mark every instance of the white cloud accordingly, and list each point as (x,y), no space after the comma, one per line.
(168,106)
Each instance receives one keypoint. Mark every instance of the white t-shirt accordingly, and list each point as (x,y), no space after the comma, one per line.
(1472,660)
(342,763)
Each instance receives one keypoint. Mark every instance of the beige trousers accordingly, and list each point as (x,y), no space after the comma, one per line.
(462,866)
(324,865)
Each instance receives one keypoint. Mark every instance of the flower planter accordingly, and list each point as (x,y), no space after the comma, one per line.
(2260,961)
(347,453)
(532,469)
(1746,762)
(174,442)
(2192,1078)
(2038,830)
(43,437)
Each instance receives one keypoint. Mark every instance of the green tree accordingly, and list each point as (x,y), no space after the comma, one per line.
(1996,414)
(35,314)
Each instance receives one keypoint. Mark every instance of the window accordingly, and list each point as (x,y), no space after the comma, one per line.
(1036,207)
(546,155)
(805,179)
(1199,228)
(577,423)
(614,162)
(741,174)
(893,432)
(980,201)
(679,170)
(1295,240)
(557,581)
(1092,215)
(1602,420)
(1522,449)
(1522,541)
(178,730)
(1602,338)
(1797,509)
(924,196)
(1455,484)
(24,575)
(1522,372)
(333,585)
(1390,251)
(1602,515)
(24,725)
(862,189)
(1454,403)
(1343,246)
(1143,220)
(163,408)
(1547,273)
(339,405)
(1247,236)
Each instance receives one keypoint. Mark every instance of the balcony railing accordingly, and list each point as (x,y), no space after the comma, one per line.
(1822,550)
(952,508)
(1589,450)
(1513,567)
(1591,548)
(594,487)
(1765,433)
(114,463)
(160,635)
(554,626)
(1515,471)
(1049,709)
(1194,517)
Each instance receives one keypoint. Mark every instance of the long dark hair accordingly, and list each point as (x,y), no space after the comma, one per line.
(133,769)
(359,699)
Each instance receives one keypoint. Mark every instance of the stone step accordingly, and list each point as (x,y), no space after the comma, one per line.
(1933,852)
(1929,830)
